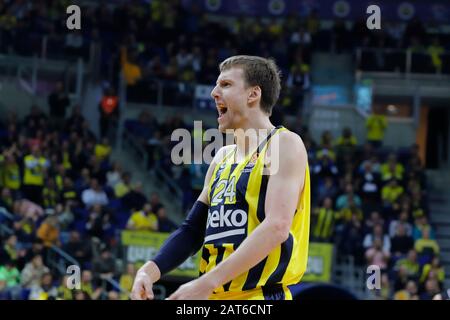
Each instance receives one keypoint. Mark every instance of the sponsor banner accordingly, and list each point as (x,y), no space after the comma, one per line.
(319,262)
(426,10)
(142,246)
(329,95)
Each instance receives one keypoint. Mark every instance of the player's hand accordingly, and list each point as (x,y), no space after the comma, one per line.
(198,289)
(142,287)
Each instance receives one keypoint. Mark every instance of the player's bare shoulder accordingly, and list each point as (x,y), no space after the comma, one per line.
(286,149)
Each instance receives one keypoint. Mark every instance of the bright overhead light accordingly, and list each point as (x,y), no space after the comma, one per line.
(391,108)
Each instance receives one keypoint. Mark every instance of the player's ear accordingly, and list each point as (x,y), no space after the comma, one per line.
(254,95)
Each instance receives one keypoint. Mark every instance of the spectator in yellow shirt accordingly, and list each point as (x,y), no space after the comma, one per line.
(64,293)
(102,150)
(392,169)
(408,293)
(391,193)
(50,194)
(144,219)
(425,245)
(434,267)
(435,50)
(35,170)
(376,125)
(131,70)
(275,28)
(347,139)
(126,281)
(324,219)
(124,186)
(409,263)
(348,212)
(88,287)
(10,175)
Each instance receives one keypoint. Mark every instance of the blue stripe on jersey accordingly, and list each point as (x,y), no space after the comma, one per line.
(220,252)
(261,210)
(254,274)
(285,257)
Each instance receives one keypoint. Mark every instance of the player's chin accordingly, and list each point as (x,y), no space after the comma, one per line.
(223,127)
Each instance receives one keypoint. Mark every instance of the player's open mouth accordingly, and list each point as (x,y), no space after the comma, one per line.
(222,110)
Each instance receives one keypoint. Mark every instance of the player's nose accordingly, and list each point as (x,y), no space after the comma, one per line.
(215,93)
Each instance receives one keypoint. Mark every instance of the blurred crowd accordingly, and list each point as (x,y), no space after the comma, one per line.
(371,202)
(60,189)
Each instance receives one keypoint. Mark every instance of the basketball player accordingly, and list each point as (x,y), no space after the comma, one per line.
(251,221)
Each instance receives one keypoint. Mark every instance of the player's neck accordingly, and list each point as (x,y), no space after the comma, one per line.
(250,135)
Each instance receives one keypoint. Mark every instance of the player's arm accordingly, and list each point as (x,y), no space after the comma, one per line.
(188,238)
(283,190)
(181,244)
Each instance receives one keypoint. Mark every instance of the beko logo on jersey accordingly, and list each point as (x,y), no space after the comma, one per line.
(230,218)
(225,223)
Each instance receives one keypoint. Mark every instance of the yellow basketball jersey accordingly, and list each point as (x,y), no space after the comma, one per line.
(237,193)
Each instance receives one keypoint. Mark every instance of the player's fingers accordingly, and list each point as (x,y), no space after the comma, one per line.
(134,296)
(136,293)
(148,289)
(138,290)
